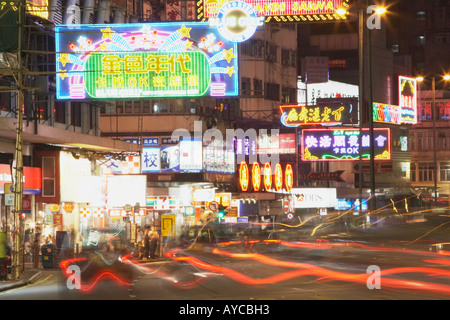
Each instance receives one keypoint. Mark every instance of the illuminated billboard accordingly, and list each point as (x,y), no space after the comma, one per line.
(327,114)
(407,96)
(145,60)
(386,113)
(283,10)
(343,144)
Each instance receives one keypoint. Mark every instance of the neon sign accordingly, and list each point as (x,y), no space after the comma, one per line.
(176,59)
(278,177)
(329,114)
(386,113)
(283,11)
(288,177)
(265,177)
(244,176)
(343,144)
(407,99)
(236,21)
(138,74)
(256,176)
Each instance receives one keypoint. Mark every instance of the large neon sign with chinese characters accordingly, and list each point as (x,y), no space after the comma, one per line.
(331,114)
(343,144)
(176,59)
(407,97)
(283,10)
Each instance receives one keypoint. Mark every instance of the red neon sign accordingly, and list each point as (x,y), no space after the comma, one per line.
(243,176)
(297,11)
(267,176)
(288,178)
(278,177)
(256,176)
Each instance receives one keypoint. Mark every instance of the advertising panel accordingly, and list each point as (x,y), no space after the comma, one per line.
(284,10)
(151,159)
(144,60)
(386,113)
(31,179)
(126,189)
(326,114)
(407,97)
(314,197)
(191,155)
(343,144)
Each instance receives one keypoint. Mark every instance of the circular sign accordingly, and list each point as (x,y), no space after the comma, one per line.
(236,21)
(128,208)
(213,206)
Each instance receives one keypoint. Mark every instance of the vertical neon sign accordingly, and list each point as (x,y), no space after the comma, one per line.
(407,96)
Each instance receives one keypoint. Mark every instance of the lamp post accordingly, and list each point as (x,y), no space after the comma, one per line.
(433,118)
(374,23)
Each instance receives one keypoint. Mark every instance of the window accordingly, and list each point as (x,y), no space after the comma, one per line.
(421,40)
(421,15)
(60,112)
(258,87)
(288,95)
(119,107)
(75,114)
(444,171)
(272,91)
(271,53)
(285,57)
(245,86)
(413,171)
(425,172)
(48,176)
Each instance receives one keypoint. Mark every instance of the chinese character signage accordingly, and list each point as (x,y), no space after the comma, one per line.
(343,144)
(407,96)
(283,10)
(329,114)
(174,59)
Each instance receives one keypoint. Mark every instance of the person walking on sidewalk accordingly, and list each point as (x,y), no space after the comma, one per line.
(146,243)
(5,256)
(153,238)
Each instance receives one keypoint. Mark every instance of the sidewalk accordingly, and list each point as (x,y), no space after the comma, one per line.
(30,276)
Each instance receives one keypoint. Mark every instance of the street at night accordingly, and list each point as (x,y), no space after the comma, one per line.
(236,151)
(401,262)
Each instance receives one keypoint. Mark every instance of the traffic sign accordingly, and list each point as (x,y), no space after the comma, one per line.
(214,206)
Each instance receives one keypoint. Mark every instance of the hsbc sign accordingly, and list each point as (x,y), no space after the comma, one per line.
(314,197)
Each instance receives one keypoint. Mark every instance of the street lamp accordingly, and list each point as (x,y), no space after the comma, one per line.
(376,15)
(433,117)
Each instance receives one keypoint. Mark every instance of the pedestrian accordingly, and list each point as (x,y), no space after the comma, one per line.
(146,243)
(5,256)
(140,243)
(153,238)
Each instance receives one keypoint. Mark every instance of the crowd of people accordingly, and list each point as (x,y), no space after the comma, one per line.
(147,242)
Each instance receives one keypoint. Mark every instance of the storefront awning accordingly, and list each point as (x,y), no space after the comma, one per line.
(43,134)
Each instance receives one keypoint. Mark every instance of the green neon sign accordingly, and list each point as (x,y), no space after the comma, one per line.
(146,74)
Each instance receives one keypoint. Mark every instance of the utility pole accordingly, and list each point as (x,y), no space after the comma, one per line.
(17,167)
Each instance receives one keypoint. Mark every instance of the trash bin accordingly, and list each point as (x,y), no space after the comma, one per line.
(47,255)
